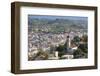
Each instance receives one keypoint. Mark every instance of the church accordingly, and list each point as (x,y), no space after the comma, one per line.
(70,48)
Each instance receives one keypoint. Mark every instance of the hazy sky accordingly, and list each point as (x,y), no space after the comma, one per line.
(57,17)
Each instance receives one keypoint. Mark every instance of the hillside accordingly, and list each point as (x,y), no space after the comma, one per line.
(56,24)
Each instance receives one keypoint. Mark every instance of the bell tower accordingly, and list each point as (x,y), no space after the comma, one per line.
(68,42)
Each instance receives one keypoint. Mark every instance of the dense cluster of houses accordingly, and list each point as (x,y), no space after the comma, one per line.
(43,41)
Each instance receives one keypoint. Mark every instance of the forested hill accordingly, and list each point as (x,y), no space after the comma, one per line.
(57,23)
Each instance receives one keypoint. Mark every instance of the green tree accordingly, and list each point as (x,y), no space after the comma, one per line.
(61,49)
(85,38)
(84,47)
(79,54)
(76,39)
